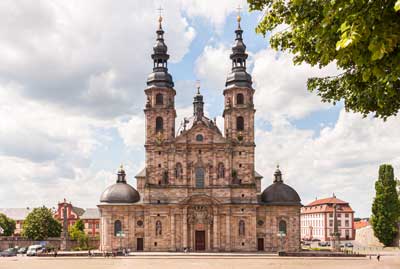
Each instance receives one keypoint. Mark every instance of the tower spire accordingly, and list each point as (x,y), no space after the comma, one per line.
(238,76)
(198,104)
(160,76)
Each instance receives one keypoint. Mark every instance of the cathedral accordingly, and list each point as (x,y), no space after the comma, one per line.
(199,190)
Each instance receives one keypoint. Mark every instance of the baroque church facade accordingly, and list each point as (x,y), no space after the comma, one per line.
(199,190)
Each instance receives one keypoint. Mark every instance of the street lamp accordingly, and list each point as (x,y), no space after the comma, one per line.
(335,236)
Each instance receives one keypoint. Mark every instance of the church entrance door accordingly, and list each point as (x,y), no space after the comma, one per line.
(200,241)
(260,244)
(139,244)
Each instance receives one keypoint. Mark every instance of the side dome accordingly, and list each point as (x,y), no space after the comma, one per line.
(120,192)
(279,193)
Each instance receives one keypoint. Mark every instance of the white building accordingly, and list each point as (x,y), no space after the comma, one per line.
(317,219)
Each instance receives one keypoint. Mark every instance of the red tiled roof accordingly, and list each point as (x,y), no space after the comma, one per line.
(325,208)
(330,200)
(361,224)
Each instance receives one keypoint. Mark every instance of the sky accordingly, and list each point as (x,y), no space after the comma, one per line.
(72,80)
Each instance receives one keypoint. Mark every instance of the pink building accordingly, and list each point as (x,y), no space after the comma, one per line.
(317,219)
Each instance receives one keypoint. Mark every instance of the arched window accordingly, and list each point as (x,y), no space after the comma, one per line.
(178,171)
(159,99)
(165,177)
(282,226)
(199,177)
(221,170)
(117,227)
(239,99)
(240,123)
(159,124)
(242,228)
(158,228)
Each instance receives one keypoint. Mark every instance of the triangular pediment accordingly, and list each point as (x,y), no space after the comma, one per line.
(210,134)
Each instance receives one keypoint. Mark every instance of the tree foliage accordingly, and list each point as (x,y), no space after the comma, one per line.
(7,224)
(40,224)
(362,37)
(386,206)
(76,232)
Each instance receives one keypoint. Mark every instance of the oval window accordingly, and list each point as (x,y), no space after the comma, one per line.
(199,137)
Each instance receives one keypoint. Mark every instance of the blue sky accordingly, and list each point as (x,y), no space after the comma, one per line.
(71,101)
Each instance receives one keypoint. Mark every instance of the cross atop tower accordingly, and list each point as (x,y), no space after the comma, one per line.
(239,10)
(160,9)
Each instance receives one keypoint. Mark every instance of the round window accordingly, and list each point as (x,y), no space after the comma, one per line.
(260,222)
(199,137)
(139,223)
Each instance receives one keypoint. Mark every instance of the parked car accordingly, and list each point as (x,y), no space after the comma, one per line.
(10,252)
(323,244)
(305,243)
(348,245)
(34,250)
(22,250)
(316,240)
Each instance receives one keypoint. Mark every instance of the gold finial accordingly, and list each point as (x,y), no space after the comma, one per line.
(121,167)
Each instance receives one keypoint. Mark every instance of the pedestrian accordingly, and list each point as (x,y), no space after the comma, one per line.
(378,257)
(55,253)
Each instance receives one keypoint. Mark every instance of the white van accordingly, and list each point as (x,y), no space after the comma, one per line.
(34,249)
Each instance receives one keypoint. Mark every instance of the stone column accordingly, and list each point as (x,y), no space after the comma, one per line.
(184,228)
(104,234)
(147,243)
(133,232)
(172,248)
(215,229)
(208,241)
(228,232)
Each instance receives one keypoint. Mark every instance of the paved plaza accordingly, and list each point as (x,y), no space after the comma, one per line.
(209,262)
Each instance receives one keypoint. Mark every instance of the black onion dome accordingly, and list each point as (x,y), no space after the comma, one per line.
(160,76)
(120,192)
(238,77)
(279,193)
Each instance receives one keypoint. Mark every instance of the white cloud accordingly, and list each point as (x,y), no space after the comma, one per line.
(213,11)
(43,150)
(343,159)
(133,131)
(281,88)
(60,50)
(212,66)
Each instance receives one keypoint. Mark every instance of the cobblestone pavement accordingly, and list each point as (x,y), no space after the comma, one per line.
(204,262)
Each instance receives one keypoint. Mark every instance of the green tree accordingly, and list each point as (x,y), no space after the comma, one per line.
(40,224)
(7,224)
(386,206)
(362,37)
(76,232)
